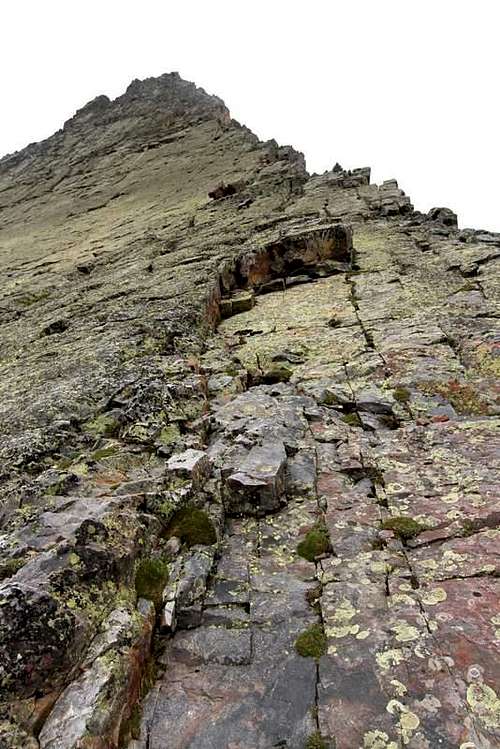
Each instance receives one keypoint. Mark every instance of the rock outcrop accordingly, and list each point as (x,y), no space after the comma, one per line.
(249,445)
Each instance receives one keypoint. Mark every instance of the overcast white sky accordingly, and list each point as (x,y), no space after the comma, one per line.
(410,88)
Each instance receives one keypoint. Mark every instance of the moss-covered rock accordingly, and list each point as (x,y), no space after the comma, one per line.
(311,643)
(401,394)
(403,527)
(317,741)
(277,372)
(315,544)
(9,567)
(193,526)
(352,419)
(169,436)
(151,576)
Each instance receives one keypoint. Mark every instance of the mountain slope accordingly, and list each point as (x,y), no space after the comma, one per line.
(239,402)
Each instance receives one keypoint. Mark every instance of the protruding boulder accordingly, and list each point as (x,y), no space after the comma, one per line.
(258,486)
(191,464)
(443,216)
(222,191)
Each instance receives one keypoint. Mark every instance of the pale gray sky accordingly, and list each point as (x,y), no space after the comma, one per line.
(407,87)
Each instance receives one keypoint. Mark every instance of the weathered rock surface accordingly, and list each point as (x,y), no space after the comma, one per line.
(253,411)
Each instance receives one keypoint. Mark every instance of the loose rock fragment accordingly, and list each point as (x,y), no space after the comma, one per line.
(259,485)
(191,464)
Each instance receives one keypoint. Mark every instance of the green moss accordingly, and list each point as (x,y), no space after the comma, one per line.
(57,489)
(165,509)
(352,419)
(403,527)
(312,642)
(317,741)
(462,397)
(193,526)
(469,527)
(315,544)
(151,576)
(401,394)
(64,463)
(329,398)
(188,411)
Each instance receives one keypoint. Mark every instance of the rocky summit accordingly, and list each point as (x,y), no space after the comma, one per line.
(249,446)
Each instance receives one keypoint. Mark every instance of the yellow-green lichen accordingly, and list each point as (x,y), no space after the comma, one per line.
(378,740)
(405,632)
(340,624)
(463,397)
(104,425)
(389,658)
(485,704)
(408,721)
(434,596)
(352,419)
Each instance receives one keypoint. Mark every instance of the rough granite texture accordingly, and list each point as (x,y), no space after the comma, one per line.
(241,405)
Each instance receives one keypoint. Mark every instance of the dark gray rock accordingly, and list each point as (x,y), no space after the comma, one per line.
(227,647)
(258,486)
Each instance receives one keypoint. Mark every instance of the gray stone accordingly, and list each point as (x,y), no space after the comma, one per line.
(168,620)
(374,400)
(192,464)
(301,474)
(258,487)
(117,381)
(230,647)
(173,547)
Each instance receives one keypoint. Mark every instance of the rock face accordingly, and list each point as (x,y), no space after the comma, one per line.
(249,438)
